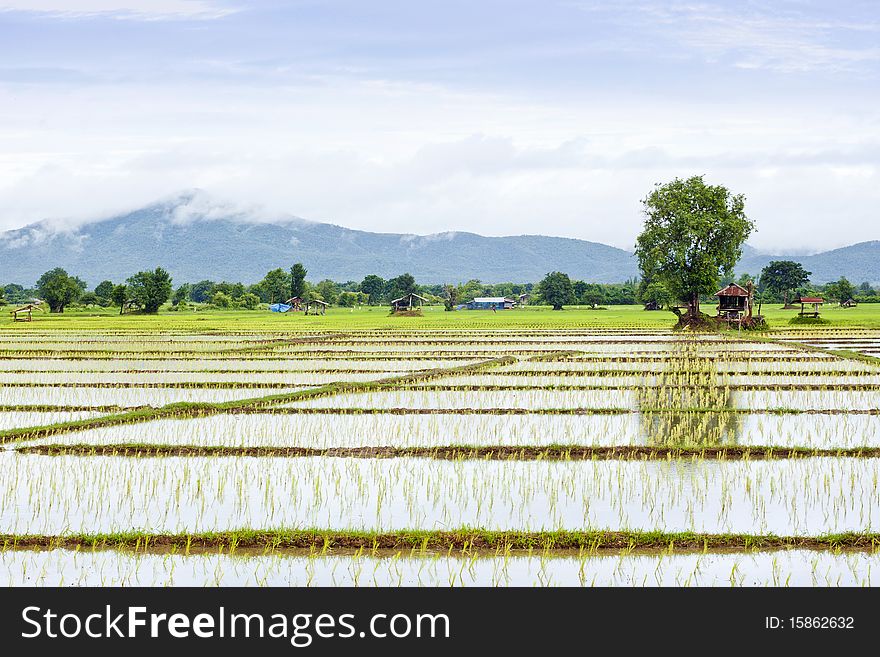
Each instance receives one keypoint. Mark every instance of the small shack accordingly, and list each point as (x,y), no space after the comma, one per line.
(523,299)
(491,303)
(24,313)
(816,302)
(295,303)
(130,306)
(407,303)
(315,307)
(849,303)
(736,305)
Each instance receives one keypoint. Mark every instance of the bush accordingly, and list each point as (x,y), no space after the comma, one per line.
(221,300)
(249,301)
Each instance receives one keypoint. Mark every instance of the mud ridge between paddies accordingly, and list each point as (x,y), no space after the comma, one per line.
(184,409)
(464,540)
(461,452)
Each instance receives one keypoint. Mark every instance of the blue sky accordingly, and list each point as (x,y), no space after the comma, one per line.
(494,117)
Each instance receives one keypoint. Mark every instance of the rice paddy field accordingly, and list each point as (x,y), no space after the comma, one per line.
(207,451)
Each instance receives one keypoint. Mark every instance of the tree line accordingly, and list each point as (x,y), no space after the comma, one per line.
(147,291)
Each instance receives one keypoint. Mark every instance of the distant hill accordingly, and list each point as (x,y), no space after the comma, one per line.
(194,244)
(858,262)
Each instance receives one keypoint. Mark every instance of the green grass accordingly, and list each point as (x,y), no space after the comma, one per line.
(342,319)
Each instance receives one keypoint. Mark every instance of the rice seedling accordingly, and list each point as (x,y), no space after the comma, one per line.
(619,439)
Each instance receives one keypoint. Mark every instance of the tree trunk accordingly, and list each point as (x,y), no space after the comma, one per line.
(694,306)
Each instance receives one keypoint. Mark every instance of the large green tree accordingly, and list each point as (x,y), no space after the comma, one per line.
(150,289)
(57,288)
(104,289)
(119,296)
(15,293)
(276,286)
(327,291)
(840,290)
(201,292)
(782,276)
(655,294)
(556,290)
(693,233)
(401,286)
(374,287)
(450,297)
(298,280)
(181,294)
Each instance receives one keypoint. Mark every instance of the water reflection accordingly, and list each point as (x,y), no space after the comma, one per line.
(689,406)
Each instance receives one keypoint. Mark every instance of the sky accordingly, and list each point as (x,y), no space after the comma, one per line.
(499,117)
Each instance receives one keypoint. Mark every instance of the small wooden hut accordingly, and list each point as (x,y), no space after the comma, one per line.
(734,303)
(407,302)
(295,303)
(523,299)
(130,306)
(816,302)
(24,313)
(849,303)
(315,307)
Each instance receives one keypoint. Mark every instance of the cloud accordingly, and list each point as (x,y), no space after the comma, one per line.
(366,148)
(782,37)
(131,9)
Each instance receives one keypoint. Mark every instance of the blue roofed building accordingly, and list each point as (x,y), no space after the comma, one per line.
(491,303)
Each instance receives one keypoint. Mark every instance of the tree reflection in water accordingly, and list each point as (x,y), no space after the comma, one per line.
(688,405)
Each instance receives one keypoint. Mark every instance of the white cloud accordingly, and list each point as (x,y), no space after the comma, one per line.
(423,159)
(141,9)
(774,36)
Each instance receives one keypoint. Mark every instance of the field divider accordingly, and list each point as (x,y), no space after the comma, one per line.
(461,452)
(606,410)
(191,409)
(745,387)
(633,372)
(269,345)
(598,410)
(457,387)
(844,354)
(465,540)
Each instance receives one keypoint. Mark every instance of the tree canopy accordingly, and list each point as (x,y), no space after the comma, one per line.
(276,285)
(150,289)
(119,296)
(57,288)
(840,290)
(374,287)
(104,289)
(783,276)
(298,280)
(401,286)
(693,233)
(556,290)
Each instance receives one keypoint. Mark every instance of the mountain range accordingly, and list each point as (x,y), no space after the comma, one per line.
(194,243)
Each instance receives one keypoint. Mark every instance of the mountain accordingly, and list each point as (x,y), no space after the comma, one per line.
(196,240)
(234,248)
(858,262)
